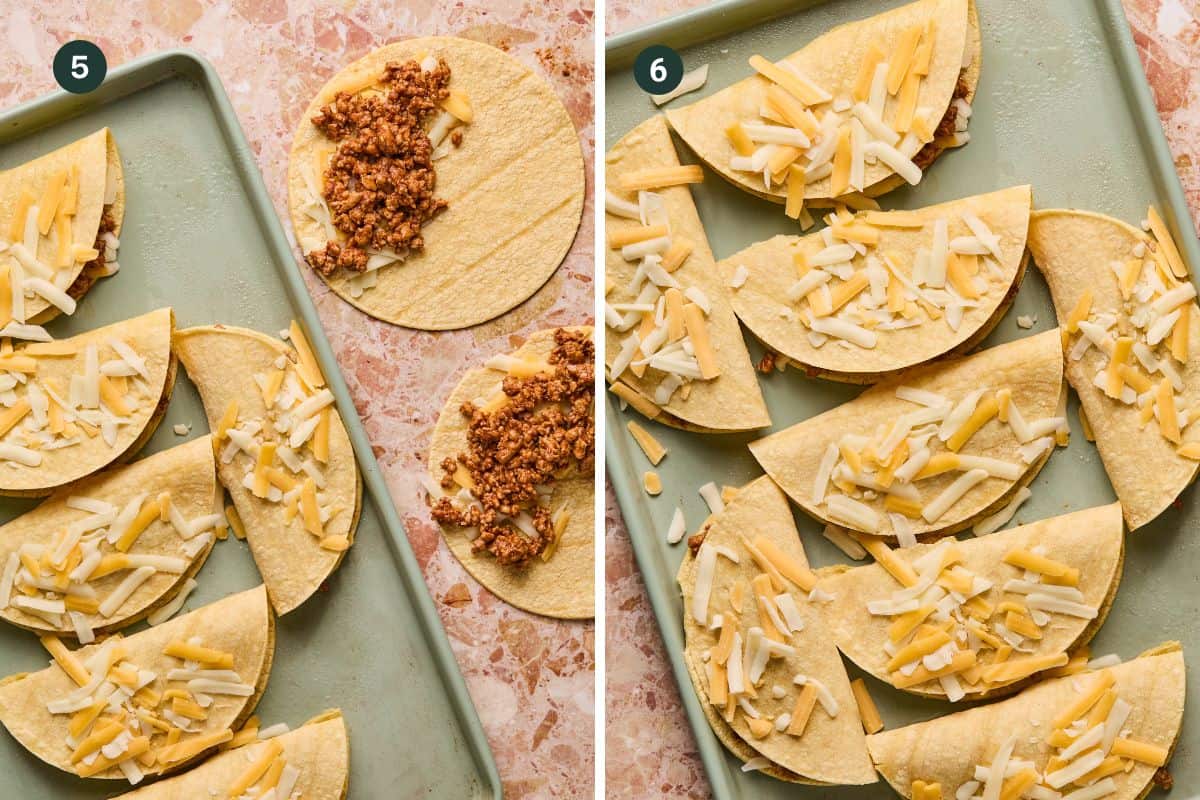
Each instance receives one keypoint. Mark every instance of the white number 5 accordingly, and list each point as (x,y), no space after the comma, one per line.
(79,66)
(658,70)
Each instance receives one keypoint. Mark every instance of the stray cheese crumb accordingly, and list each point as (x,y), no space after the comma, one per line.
(868,713)
(650,446)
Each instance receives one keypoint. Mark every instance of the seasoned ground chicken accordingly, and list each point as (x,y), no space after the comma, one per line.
(545,430)
(380,181)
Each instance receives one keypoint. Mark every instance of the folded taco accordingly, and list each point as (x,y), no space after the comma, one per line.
(113,548)
(860,110)
(672,349)
(932,450)
(148,703)
(979,617)
(283,454)
(1131,326)
(1103,734)
(58,230)
(767,673)
(74,406)
(541,397)
(880,291)
(311,762)
(435,183)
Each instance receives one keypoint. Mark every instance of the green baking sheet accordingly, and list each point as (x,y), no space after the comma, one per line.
(1062,104)
(200,234)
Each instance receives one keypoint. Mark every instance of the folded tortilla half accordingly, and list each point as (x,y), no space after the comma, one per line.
(860,110)
(160,679)
(773,684)
(881,291)
(559,581)
(1133,349)
(312,762)
(1111,729)
(61,222)
(284,456)
(673,348)
(111,549)
(74,406)
(931,451)
(514,184)
(965,619)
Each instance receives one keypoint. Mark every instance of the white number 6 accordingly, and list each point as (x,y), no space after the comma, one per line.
(658,70)
(79,66)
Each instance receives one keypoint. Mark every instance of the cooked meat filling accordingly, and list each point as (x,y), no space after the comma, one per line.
(380,180)
(926,155)
(544,430)
(93,269)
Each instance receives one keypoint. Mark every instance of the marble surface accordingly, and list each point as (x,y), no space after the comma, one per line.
(650,751)
(532,679)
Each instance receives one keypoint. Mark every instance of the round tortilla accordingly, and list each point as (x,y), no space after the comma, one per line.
(1092,540)
(732,401)
(946,749)
(320,750)
(222,361)
(562,586)
(150,336)
(515,188)
(832,62)
(762,302)
(1030,367)
(1074,251)
(187,472)
(832,749)
(241,624)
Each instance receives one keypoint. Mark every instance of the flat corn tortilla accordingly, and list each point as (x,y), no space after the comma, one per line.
(1091,541)
(187,473)
(96,164)
(1031,368)
(226,363)
(732,401)
(515,188)
(241,624)
(561,586)
(832,61)
(1074,251)
(762,302)
(319,750)
(57,363)
(832,748)
(947,749)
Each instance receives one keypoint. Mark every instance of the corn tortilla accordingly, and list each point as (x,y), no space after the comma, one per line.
(187,472)
(1030,367)
(1091,540)
(150,337)
(947,749)
(832,750)
(223,361)
(733,400)
(241,624)
(832,62)
(1074,251)
(515,188)
(762,301)
(319,749)
(561,586)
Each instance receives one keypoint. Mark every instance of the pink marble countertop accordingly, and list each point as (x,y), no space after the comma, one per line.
(650,751)
(532,679)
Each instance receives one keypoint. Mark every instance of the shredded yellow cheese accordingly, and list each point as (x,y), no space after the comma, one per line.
(66,660)
(660,177)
